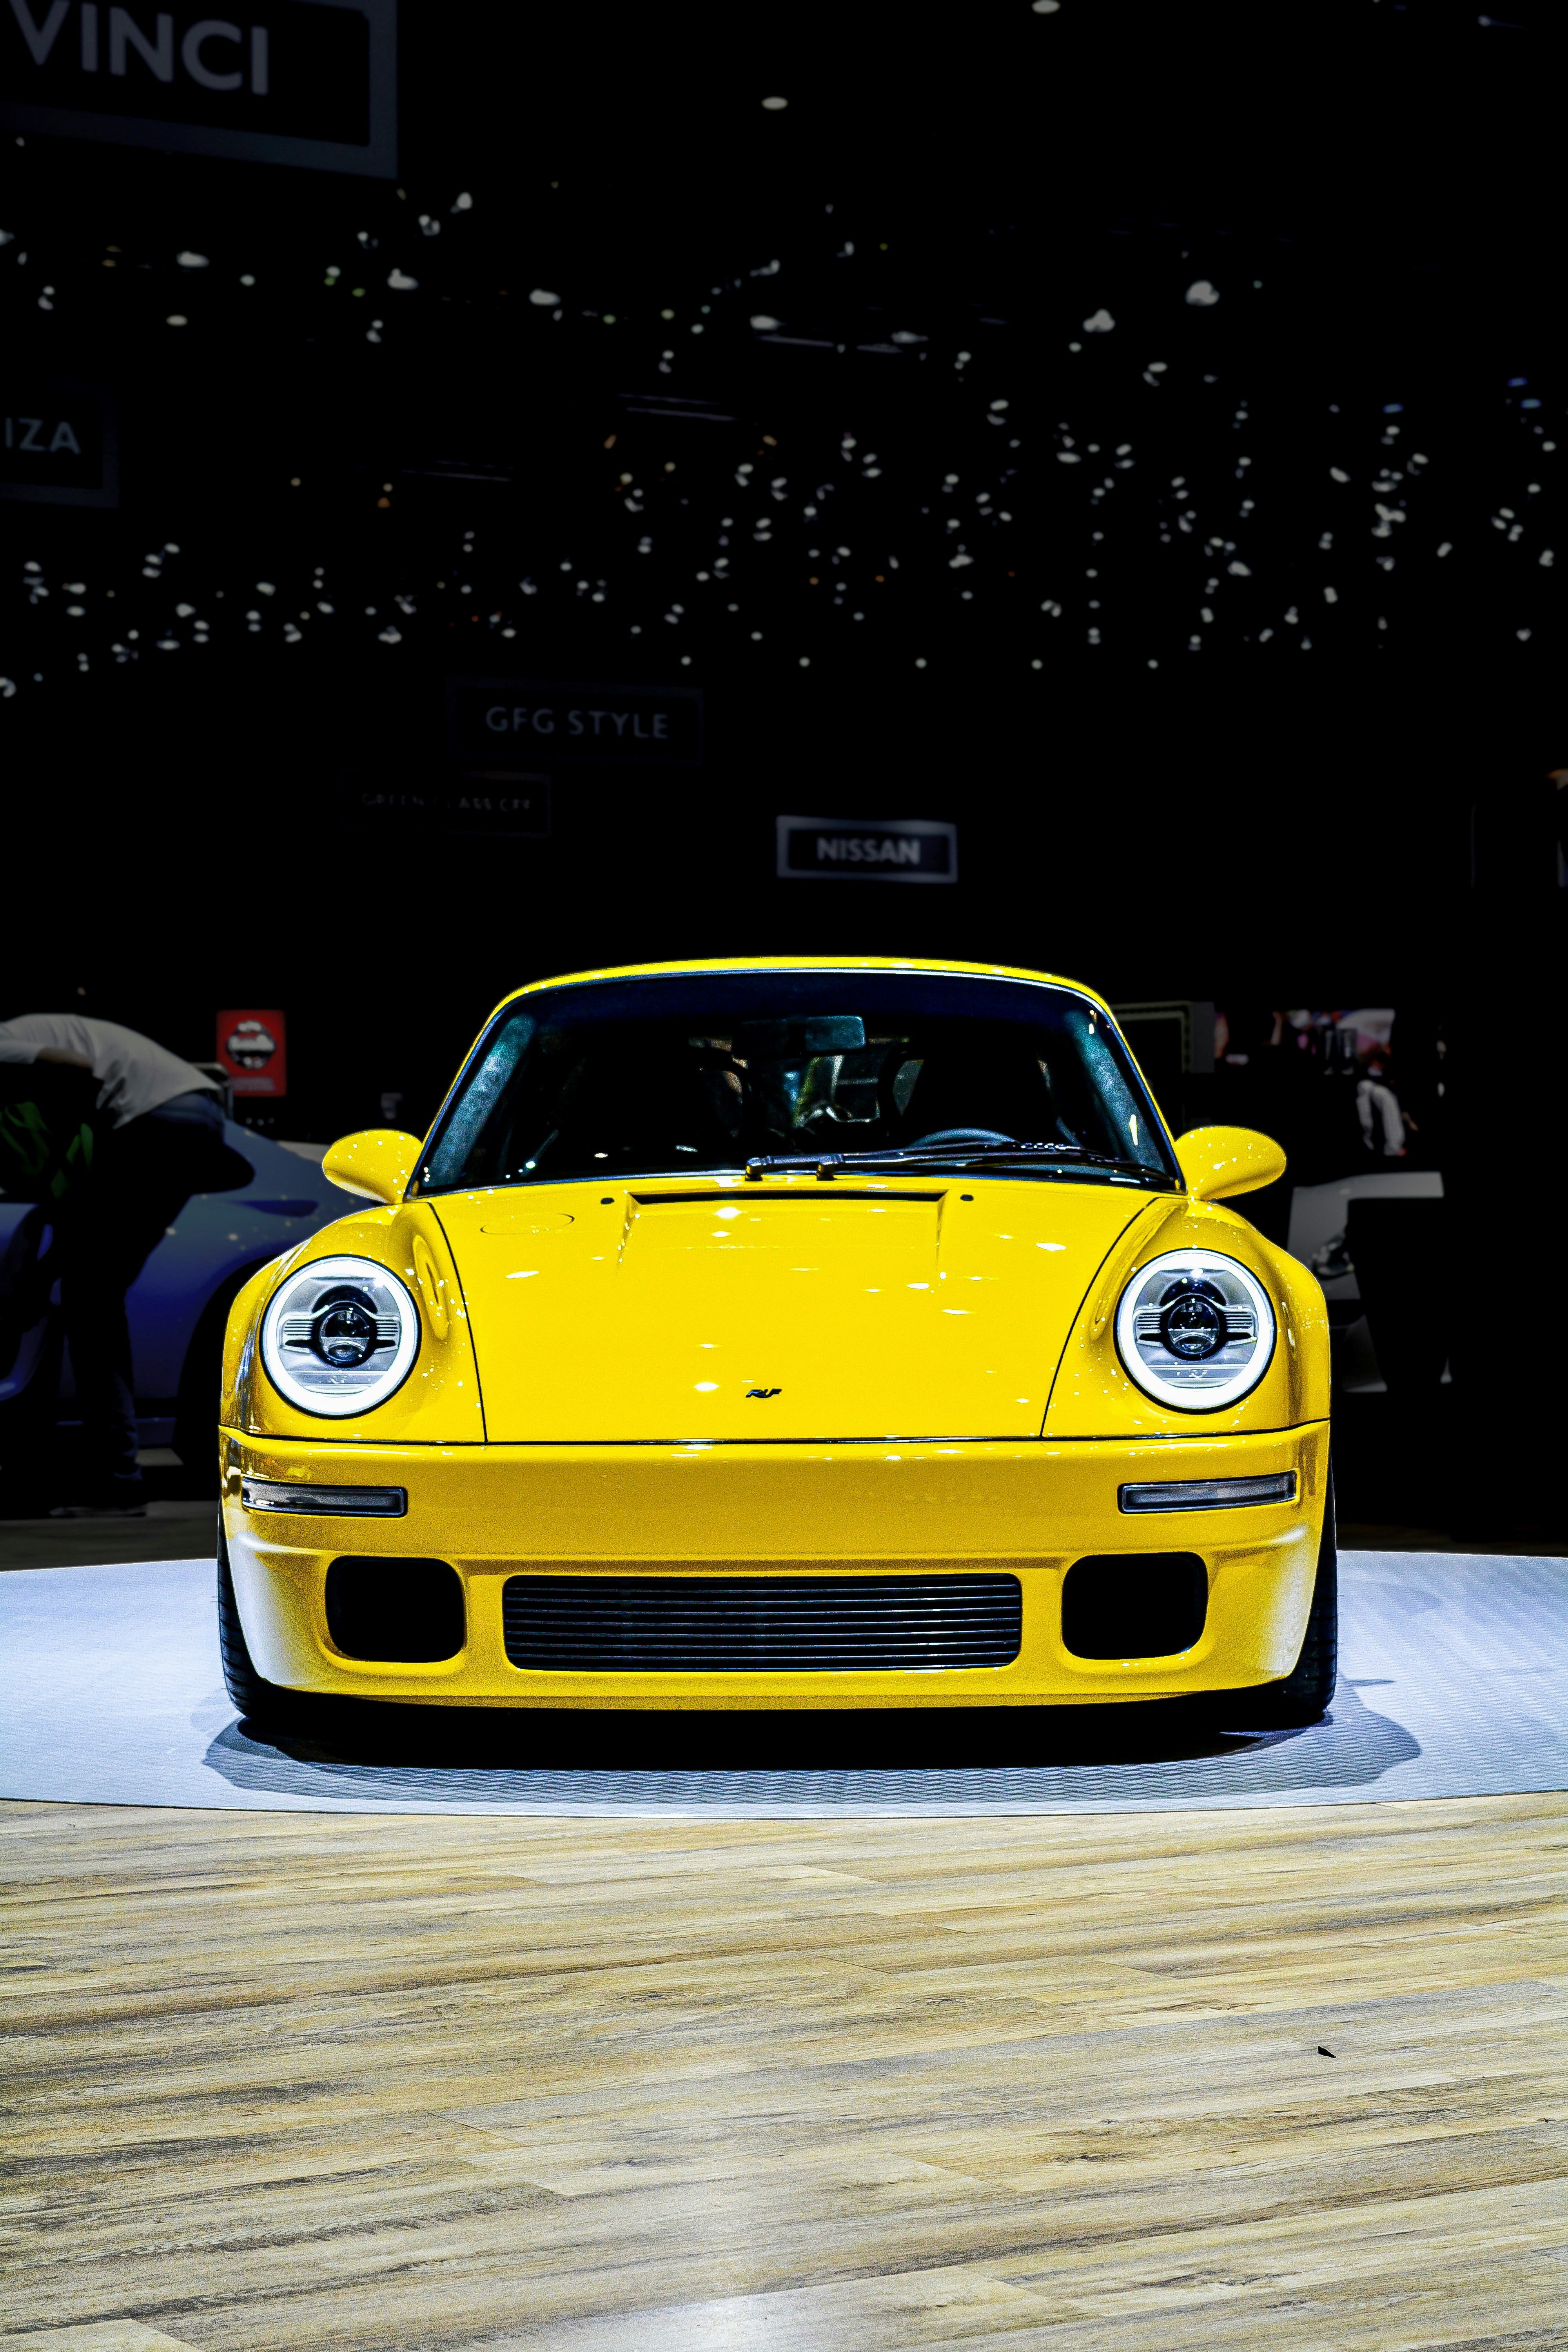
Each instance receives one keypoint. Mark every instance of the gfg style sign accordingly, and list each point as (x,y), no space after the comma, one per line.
(551,720)
(309,82)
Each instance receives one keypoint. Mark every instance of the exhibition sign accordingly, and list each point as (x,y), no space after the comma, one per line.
(59,442)
(253,1050)
(643,726)
(311,82)
(866,850)
(492,801)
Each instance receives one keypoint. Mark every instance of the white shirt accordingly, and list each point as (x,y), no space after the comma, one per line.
(134,1073)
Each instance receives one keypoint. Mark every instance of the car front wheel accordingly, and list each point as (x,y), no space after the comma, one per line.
(264,1706)
(1306,1692)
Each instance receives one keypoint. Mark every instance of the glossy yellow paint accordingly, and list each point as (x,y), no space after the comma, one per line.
(376,1163)
(439,1404)
(1092,1396)
(1029,1507)
(939,1384)
(1217,1162)
(921,1309)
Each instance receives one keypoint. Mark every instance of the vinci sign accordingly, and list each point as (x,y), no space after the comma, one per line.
(284,81)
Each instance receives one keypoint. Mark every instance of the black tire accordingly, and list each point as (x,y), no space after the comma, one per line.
(1305,1694)
(264,1705)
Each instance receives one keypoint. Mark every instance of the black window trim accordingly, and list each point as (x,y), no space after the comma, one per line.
(420,1190)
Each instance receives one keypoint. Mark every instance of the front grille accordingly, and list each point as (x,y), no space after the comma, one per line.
(760,1624)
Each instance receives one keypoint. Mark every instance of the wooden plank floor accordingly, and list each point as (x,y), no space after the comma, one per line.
(295,2080)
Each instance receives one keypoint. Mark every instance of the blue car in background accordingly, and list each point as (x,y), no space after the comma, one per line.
(177,1306)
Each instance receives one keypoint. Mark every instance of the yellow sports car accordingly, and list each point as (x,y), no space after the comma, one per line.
(792,1332)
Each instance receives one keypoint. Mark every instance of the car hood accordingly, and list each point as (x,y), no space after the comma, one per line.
(798,1311)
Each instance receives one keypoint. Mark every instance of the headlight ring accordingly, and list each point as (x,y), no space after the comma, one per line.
(338,1336)
(1195,1330)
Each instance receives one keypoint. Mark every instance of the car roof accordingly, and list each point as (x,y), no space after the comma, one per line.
(945,964)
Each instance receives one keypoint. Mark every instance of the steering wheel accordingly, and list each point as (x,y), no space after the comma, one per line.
(960,1135)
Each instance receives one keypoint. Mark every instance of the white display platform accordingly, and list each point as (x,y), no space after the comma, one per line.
(1454,1683)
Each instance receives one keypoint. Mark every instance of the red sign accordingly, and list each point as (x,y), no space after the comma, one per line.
(253,1049)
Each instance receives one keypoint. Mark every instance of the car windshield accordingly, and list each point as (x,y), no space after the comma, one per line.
(694,1072)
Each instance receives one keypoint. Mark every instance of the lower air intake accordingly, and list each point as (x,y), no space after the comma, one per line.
(760,1624)
(1134,1604)
(399,1612)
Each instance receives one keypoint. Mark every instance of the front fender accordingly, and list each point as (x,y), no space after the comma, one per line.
(439,1404)
(1093,1396)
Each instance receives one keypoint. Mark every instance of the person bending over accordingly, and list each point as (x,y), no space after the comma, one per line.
(164,1122)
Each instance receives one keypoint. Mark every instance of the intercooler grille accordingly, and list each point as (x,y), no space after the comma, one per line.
(760,1624)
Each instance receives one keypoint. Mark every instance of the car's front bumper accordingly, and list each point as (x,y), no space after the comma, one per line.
(1030,1508)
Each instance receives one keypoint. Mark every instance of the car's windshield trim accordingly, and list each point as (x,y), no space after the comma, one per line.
(421,1186)
(735,972)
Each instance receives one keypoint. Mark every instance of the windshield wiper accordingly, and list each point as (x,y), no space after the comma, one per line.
(916,1156)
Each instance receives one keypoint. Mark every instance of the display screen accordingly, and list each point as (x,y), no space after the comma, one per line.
(706,1071)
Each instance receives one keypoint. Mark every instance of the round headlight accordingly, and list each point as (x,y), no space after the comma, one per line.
(1195,1330)
(338,1336)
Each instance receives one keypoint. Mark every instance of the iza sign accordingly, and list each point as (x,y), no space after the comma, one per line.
(280,81)
(866,850)
(650,726)
(57,444)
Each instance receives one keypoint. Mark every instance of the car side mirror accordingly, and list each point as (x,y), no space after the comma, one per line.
(1218,1162)
(376,1163)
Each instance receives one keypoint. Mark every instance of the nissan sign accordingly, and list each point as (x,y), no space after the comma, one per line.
(866,850)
